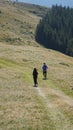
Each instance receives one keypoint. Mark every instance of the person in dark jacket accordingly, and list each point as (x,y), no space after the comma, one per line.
(35,76)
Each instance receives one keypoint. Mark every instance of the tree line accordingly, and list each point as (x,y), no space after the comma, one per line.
(55,29)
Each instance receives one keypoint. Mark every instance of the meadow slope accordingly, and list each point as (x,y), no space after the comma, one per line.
(22,106)
(18,22)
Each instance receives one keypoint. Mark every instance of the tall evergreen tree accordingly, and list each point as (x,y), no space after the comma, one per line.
(55,30)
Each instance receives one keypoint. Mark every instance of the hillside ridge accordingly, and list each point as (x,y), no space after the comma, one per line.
(22,106)
(17,26)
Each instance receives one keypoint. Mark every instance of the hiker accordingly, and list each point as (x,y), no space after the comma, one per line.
(44,69)
(35,76)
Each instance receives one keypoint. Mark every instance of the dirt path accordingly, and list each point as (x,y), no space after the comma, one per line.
(54,108)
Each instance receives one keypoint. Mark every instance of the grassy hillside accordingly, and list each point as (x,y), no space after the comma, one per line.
(22,106)
(18,22)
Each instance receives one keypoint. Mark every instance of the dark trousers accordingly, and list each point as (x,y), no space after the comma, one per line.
(45,74)
(35,80)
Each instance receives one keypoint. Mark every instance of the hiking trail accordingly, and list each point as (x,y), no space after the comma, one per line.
(54,108)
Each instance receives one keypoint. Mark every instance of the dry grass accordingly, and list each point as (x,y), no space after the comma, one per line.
(16,24)
(23,107)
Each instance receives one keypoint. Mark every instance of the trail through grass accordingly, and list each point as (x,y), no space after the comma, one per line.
(24,107)
(55,110)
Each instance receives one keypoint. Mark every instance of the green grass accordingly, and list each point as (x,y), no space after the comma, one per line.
(22,106)
(7,63)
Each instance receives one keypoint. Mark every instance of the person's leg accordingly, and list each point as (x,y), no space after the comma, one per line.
(35,81)
(45,74)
